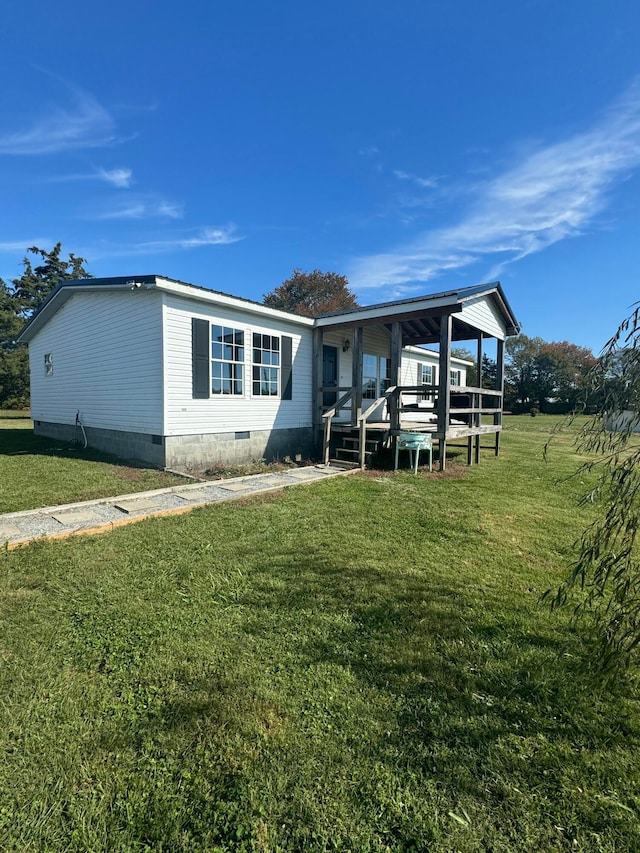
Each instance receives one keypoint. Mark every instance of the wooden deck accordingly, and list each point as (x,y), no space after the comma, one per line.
(454,431)
(362,436)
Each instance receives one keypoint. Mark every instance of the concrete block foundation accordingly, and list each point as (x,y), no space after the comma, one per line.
(127,445)
(199,452)
(189,452)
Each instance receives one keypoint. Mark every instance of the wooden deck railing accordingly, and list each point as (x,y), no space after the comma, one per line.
(393,397)
(328,416)
(363,417)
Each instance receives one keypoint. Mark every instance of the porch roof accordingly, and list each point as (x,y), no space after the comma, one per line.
(419,316)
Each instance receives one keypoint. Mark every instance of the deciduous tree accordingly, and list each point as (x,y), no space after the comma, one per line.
(312,293)
(547,375)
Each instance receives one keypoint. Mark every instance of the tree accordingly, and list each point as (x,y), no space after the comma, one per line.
(521,353)
(607,568)
(18,302)
(489,372)
(550,376)
(312,293)
(35,284)
(472,370)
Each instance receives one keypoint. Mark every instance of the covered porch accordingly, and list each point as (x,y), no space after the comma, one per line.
(347,408)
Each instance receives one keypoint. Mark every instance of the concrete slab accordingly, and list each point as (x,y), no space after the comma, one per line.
(9,531)
(303,474)
(149,504)
(269,481)
(72,517)
(234,487)
(192,495)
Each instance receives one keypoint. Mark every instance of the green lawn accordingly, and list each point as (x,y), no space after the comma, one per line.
(360,664)
(36,471)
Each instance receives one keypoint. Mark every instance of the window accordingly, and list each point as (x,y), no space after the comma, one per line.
(48,364)
(376,370)
(427,376)
(266,365)
(227,360)
(455,377)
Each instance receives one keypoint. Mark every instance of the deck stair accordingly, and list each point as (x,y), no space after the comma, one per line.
(350,450)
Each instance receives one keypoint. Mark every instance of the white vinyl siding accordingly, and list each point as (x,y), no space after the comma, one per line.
(229,413)
(481,313)
(105,351)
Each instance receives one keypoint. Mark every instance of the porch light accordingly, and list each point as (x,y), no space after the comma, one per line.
(346,346)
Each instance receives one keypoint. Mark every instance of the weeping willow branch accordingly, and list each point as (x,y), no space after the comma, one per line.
(603,586)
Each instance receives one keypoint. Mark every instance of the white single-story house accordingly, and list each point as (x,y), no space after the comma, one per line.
(182,377)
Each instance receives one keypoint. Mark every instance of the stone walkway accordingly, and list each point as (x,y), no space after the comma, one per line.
(104,514)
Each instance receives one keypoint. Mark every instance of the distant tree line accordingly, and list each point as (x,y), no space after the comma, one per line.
(554,377)
(19,300)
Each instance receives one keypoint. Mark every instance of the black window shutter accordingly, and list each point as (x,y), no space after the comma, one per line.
(287,373)
(200,357)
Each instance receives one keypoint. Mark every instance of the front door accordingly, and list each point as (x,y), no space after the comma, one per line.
(329,375)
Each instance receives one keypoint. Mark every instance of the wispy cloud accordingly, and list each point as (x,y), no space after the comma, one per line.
(220,236)
(81,123)
(551,194)
(142,207)
(22,245)
(425,183)
(120,178)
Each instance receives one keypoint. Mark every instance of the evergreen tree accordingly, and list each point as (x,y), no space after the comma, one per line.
(18,302)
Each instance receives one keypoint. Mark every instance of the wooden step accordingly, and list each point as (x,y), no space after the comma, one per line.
(355,442)
(353,451)
(344,463)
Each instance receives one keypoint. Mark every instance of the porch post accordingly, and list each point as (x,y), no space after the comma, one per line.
(444,386)
(497,418)
(356,375)
(395,373)
(478,416)
(318,337)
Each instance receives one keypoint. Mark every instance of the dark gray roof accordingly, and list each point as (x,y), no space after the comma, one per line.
(452,297)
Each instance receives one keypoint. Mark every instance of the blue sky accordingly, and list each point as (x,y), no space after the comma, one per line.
(414,147)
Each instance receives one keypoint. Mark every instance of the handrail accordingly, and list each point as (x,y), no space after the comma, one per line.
(391,390)
(329,415)
(340,404)
(469,389)
(362,419)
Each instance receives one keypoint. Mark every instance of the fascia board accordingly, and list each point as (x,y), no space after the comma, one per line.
(214,298)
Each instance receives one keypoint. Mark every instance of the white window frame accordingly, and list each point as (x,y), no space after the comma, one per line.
(266,368)
(378,375)
(425,366)
(455,377)
(220,357)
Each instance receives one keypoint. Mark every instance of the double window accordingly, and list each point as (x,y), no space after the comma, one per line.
(219,362)
(227,360)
